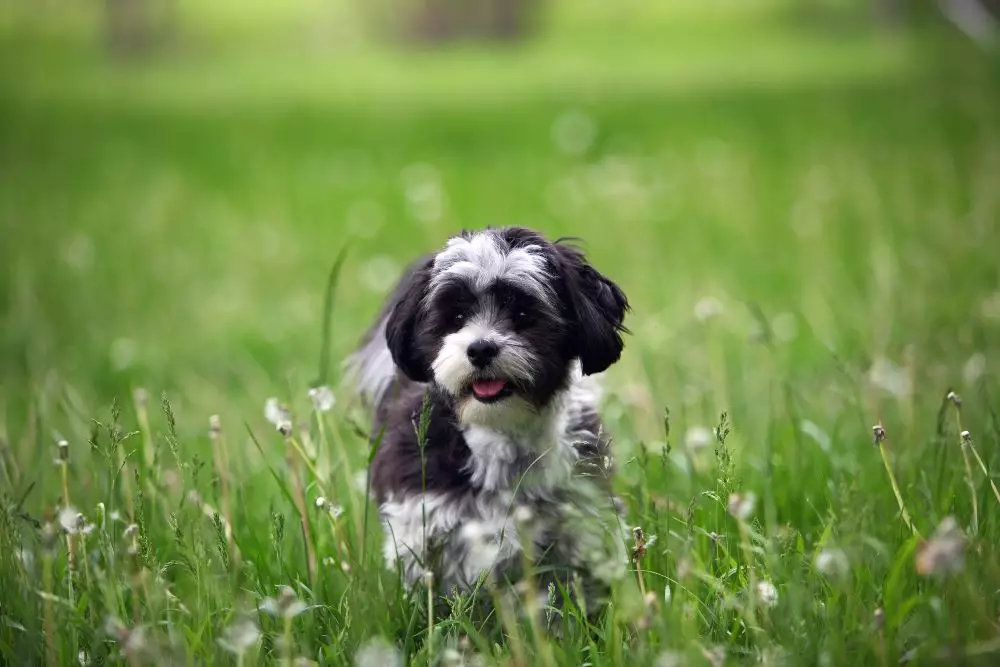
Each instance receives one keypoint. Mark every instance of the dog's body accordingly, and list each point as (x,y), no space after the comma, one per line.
(487,349)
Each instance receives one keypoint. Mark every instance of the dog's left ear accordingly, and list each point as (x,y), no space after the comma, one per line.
(599,308)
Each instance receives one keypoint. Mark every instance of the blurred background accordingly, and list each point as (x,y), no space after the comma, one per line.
(177,178)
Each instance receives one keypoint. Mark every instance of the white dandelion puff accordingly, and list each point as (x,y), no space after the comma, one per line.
(278,415)
(767,594)
(944,552)
(322,398)
(832,563)
(240,637)
(891,378)
(741,505)
(698,437)
(708,308)
(286,605)
(378,652)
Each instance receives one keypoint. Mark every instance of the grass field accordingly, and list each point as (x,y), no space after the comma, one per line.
(804,216)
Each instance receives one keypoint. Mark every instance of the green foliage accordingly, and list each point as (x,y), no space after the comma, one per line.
(805,226)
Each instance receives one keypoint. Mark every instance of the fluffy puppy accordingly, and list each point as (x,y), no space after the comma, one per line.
(479,371)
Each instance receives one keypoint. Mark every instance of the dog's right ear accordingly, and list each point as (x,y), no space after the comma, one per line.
(400,327)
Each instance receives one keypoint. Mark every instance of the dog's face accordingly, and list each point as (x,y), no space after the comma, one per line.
(497,319)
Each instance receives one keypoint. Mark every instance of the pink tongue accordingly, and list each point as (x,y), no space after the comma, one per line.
(488,388)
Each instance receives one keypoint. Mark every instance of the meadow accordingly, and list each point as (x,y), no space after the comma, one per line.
(804,215)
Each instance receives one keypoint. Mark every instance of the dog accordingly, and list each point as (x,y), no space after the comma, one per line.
(492,458)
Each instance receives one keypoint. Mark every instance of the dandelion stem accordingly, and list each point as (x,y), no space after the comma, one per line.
(51,656)
(70,542)
(288,640)
(904,514)
(982,466)
(747,549)
(963,438)
(300,500)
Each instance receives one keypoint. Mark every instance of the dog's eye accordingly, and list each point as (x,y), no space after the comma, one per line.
(458,318)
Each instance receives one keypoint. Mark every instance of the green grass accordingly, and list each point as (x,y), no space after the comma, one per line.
(169,229)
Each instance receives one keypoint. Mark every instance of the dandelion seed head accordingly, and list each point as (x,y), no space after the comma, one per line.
(742,505)
(377,652)
(944,553)
(322,398)
(974,368)
(832,563)
(698,437)
(966,436)
(214,427)
(287,605)
(240,637)
(767,594)
(891,378)
(708,308)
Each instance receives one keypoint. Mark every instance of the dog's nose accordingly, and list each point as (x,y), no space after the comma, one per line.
(482,352)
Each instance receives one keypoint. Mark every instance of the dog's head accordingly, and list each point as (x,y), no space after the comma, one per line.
(498,318)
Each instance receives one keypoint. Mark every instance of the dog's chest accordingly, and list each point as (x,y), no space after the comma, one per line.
(529,462)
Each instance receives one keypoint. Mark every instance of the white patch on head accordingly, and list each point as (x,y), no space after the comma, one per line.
(482,260)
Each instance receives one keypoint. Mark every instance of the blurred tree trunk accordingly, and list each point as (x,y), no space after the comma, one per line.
(441,21)
(137,27)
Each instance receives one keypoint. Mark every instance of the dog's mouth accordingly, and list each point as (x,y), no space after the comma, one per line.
(490,390)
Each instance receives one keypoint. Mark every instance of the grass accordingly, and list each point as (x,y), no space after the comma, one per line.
(805,223)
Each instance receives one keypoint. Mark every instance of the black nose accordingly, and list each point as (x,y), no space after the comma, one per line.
(482,352)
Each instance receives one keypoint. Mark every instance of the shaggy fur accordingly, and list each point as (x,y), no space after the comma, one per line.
(495,340)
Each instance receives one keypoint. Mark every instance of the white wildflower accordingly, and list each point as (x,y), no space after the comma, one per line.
(214,427)
(974,368)
(73,522)
(287,604)
(889,377)
(278,415)
(322,398)
(767,594)
(832,563)
(944,552)
(741,505)
(325,505)
(240,637)
(698,437)
(707,309)
(378,652)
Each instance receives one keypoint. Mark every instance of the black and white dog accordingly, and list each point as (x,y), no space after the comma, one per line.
(495,339)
